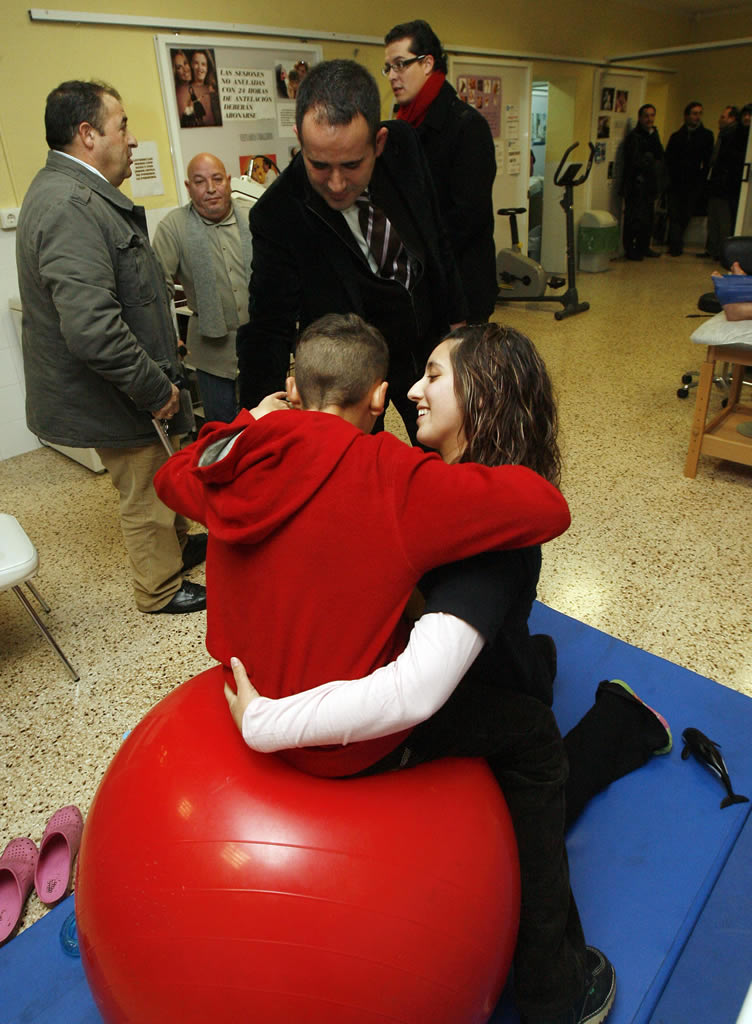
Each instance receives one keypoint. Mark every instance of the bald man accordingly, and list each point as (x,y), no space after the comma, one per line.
(206,247)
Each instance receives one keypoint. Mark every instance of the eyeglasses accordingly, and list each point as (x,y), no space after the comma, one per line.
(399,65)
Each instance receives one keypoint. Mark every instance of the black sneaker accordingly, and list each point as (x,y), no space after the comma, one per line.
(594,1005)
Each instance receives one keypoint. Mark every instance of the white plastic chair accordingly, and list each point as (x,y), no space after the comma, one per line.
(19,561)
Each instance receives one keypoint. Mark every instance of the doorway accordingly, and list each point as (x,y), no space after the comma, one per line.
(538,135)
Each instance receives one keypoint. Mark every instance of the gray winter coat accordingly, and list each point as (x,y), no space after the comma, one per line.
(98,337)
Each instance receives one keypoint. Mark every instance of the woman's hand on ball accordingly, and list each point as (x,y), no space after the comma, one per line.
(238,702)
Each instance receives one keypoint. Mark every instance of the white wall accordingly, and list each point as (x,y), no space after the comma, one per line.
(14,436)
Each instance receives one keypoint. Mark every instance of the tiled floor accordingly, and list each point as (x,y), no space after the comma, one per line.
(653,558)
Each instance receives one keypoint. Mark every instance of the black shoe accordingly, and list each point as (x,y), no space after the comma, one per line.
(651,254)
(703,255)
(594,1005)
(633,256)
(194,552)
(190,598)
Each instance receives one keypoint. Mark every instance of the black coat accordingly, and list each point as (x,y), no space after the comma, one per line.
(306,263)
(459,148)
(644,169)
(725,179)
(688,158)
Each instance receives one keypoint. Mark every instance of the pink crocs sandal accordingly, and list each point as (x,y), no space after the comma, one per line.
(57,851)
(17,866)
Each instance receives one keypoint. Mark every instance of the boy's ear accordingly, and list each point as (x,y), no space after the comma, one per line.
(293,395)
(378,399)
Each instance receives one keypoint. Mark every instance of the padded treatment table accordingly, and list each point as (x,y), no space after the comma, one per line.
(650,857)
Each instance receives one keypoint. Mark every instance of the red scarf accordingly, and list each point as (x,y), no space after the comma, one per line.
(415,111)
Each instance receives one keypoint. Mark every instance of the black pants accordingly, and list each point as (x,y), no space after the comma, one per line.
(638,223)
(681,207)
(520,739)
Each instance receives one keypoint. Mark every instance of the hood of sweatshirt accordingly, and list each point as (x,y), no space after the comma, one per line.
(256,478)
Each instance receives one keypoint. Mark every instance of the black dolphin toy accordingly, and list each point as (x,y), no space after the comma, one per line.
(708,753)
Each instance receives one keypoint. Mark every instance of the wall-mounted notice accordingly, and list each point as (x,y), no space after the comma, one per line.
(147,177)
(247,93)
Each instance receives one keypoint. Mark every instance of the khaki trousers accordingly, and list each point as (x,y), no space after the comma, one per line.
(154,535)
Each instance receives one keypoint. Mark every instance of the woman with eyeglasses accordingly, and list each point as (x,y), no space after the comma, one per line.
(460,152)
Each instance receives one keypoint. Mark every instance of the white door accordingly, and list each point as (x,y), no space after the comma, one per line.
(500,90)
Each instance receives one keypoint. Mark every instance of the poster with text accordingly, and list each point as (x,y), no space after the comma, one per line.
(234,99)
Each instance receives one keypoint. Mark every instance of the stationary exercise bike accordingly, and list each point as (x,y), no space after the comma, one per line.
(522,279)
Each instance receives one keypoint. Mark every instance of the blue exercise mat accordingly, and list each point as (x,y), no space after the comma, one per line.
(711,979)
(39,982)
(647,852)
(645,856)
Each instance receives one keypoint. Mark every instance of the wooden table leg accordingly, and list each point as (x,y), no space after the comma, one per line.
(702,402)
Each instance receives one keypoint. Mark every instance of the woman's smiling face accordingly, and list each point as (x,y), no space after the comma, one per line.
(440,419)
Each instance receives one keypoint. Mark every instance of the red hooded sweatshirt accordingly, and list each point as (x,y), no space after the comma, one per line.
(318,534)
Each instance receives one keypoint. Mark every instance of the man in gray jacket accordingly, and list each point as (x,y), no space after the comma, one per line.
(99,345)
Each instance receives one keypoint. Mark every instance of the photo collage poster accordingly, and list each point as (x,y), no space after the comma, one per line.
(233,99)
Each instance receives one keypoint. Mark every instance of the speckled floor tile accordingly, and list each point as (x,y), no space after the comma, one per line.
(653,558)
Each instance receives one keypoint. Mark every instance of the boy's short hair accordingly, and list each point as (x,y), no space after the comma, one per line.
(337,359)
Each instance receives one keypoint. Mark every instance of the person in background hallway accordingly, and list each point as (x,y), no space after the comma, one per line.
(99,345)
(725,179)
(206,247)
(641,183)
(459,148)
(687,163)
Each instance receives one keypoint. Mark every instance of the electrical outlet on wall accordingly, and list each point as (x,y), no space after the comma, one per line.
(9,218)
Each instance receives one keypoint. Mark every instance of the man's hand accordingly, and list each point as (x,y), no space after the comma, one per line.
(238,702)
(272,403)
(170,407)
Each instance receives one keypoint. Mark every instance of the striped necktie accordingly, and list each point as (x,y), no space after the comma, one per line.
(384,243)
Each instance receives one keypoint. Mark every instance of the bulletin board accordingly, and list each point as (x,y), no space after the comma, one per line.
(500,90)
(239,103)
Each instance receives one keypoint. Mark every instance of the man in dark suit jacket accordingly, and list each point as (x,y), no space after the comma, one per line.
(317,227)
(687,161)
(641,183)
(725,179)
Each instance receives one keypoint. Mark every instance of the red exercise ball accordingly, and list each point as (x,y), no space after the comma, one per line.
(218,884)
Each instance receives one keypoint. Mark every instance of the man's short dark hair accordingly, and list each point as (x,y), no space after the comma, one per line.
(691,106)
(336,91)
(70,105)
(423,40)
(644,107)
(337,359)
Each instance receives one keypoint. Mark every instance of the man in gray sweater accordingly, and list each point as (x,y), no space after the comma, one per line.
(206,247)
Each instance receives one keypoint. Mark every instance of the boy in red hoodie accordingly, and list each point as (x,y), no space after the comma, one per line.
(318,532)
